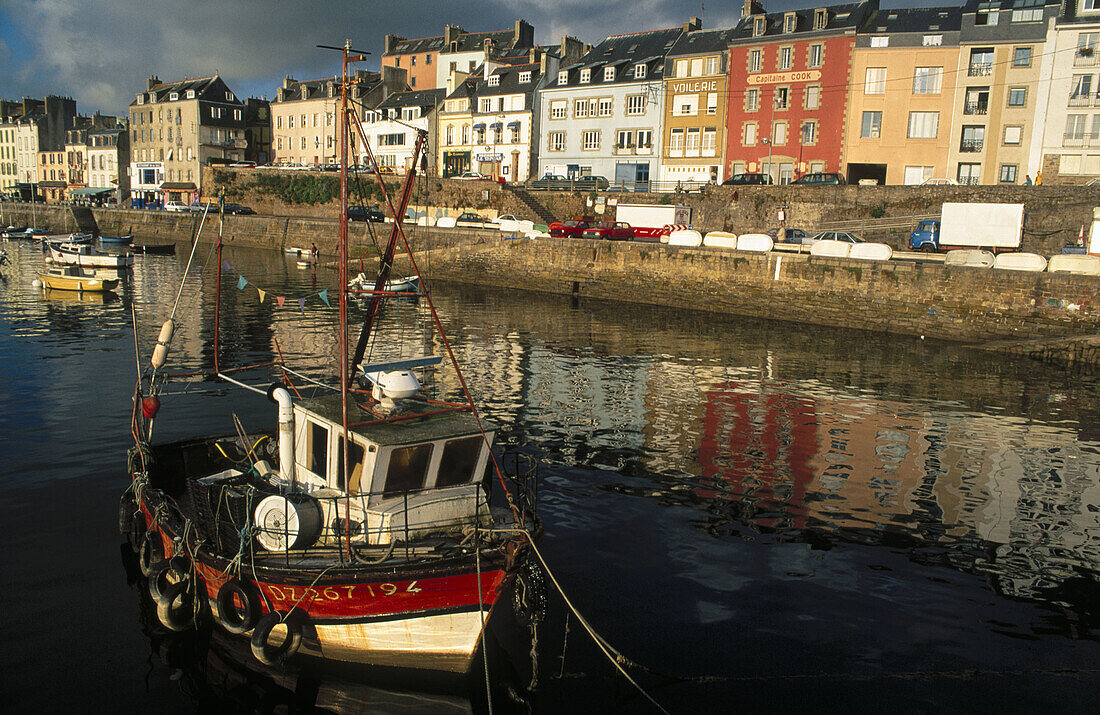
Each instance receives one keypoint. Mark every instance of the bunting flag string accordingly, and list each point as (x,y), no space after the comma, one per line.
(280,300)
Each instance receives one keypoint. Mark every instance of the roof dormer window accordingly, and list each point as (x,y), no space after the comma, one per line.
(821,18)
(639,71)
(609,74)
(525,77)
(174,96)
(229,96)
(563,77)
(586,75)
(141,99)
(494,80)
(759,25)
(190,94)
(152,98)
(790,22)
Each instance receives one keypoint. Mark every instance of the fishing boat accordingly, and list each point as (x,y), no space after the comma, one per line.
(117,240)
(369,522)
(84,254)
(71,238)
(25,233)
(76,278)
(405,284)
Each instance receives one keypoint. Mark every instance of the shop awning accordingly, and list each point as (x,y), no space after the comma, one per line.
(513,125)
(495,125)
(479,127)
(90,191)
(177,186)
(53,184)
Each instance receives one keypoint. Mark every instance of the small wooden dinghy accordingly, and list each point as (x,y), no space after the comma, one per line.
(76,278)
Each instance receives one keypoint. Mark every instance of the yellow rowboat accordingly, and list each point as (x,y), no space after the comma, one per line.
(76,278)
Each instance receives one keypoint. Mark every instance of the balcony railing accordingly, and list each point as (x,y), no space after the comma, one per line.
(971,145)
(976,108)
(980,69)
(1080,100)
(1084,58)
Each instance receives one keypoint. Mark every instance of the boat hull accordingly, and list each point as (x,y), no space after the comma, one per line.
(88,284)
(90,258)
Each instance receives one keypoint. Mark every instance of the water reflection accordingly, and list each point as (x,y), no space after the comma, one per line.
(723,496)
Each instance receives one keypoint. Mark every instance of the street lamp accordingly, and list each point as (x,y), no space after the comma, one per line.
(771,133)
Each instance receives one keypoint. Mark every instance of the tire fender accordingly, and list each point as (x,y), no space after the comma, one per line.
(262,647)
(151,552)
(176,606)
(165,574)
(238,605)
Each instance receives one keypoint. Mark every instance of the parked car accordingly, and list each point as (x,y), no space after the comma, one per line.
(198,207)
(470,176)
(471,219)
(587,183)
(176,207)
(506,217)
(550,182)
(365,213)
(944,181)
(819,178)
(239,210)
(610,230)
(243,164)
(791,235)
(749,179)
(836,236)
(572,228)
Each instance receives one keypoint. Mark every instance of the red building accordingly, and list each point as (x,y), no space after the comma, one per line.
(789,81)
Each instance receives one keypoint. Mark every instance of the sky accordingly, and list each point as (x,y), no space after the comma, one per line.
(101,52)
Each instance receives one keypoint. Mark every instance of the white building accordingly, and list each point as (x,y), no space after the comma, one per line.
(614,95)
(390,128)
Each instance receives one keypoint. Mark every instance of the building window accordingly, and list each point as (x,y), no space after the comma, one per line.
(759,26)
(782,97)
(681,68)
(639,71)
(580,109)
(875,82)
(1081,93)
(813,96)
(605,107)
(591,141)
(752,99)
(710,135)
(970,174)
(685,105)
(609,74)
(981,62)
(927,80)
(1017,96)
(1027,10)
(563,77)
(817,52)
(786,58)
(625,139)
(586,76)
(987,13)
(1013,135)
(676,142)
(872,125)
(749,134)
(1075,128)
(557,141)
(809,132)
(174,96)
(973,139)
(645,138)
(756,60)
(821,17)
(1021,57)
(977,100)
(428,59)
(1008,173)
(880,41)
(790,22)
(635,104)
(693,140)
(714,64)
(450,135)
(493,81)
(558,109)
(932,40)
(924,125)
(712,103)
(779,133)
(525,77)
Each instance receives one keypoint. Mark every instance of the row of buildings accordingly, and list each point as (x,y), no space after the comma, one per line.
(995,91)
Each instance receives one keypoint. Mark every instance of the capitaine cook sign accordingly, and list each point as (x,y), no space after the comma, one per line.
(784,77)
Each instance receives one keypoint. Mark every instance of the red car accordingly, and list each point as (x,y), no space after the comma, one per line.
(611,230)
(573,228)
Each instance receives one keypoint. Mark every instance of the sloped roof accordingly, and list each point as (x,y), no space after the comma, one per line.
(414,98)
(841,18)
(923,19)
(623,52)
(691,43)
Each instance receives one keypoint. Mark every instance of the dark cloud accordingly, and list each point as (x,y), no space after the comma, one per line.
(101,51)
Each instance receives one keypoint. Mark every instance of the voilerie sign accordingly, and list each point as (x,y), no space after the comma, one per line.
(785,77)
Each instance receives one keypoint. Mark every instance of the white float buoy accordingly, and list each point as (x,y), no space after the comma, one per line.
(36,283)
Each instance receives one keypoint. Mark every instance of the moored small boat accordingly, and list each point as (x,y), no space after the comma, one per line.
(165,249)
(116,239)
(76,278)
(84,254)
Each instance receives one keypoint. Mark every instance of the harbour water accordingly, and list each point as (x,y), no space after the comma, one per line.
(757,515)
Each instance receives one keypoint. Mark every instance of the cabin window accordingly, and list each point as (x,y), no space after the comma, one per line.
(355,458)
(408,468)
(318,449)
(459,461)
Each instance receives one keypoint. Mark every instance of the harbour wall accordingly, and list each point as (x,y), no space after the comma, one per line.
(930,299)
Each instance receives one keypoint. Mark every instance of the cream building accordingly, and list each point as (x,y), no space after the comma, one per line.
(178,127)
(902,96)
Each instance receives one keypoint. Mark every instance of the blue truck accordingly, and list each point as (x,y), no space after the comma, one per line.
(991,227)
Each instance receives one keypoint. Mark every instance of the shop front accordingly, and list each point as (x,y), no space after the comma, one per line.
(182,191)
(455,163)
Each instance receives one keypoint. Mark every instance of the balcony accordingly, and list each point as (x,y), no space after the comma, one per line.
(980,69)
(971,145)
(976,108)
(1080,100)
(1085,57)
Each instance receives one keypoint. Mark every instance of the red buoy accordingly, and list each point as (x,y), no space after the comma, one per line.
(150,406)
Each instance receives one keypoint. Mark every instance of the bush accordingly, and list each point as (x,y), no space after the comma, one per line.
(297,189)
